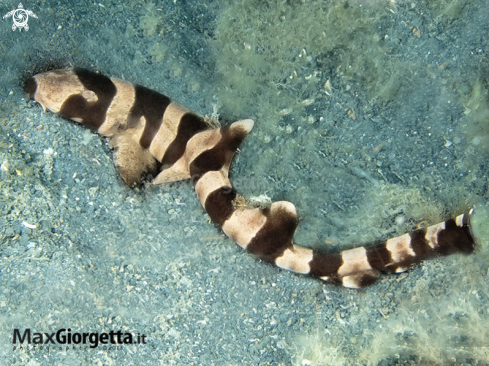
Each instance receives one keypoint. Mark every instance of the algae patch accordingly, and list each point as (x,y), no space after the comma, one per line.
(447,10)
(429,327)
(387,210)
(476,108)
(273,57)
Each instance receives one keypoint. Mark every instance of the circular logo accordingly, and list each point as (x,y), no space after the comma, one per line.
(20,18)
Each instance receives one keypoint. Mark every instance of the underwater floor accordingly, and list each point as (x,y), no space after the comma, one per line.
(371,117)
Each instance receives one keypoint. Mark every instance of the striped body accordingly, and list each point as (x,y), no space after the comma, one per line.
(153,136)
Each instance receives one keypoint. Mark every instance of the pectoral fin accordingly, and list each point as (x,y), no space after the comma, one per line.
(131,159)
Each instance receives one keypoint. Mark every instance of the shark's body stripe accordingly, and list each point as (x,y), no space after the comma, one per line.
(210,182)
(275,236)
(167,131)
(325,264)
(190,125)
(150,105)
(455,238)
(92,113)
(431,235)
(119,109)
(153,135)
(378,256)
(419,244)
(296,259)
(243,225)
(219,204)
(354,260)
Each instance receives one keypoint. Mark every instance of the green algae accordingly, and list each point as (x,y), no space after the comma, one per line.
(398,209)
(447,10)
(281,53)
(476,108)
